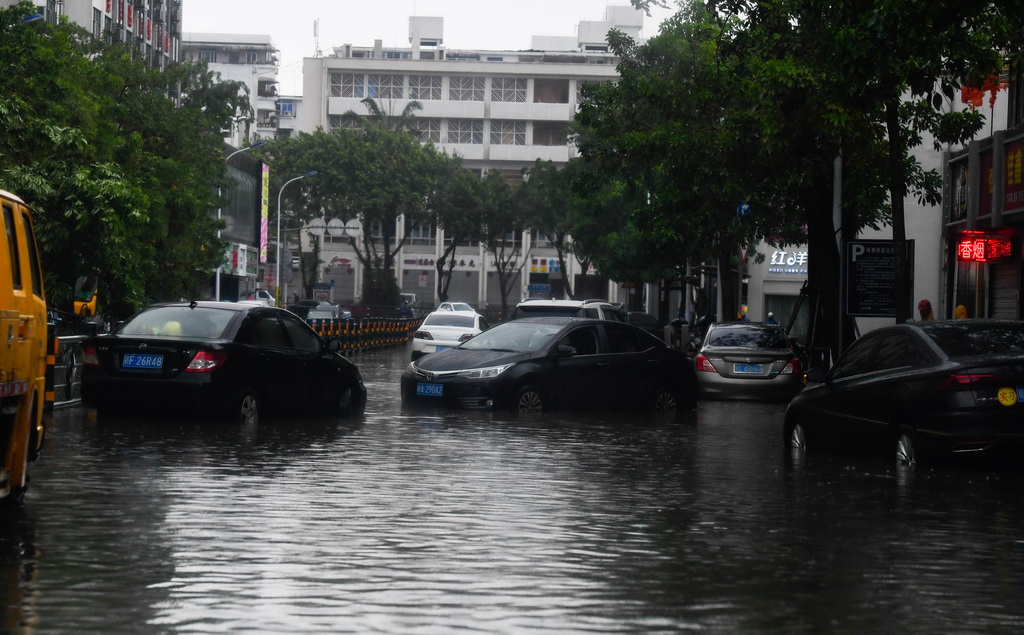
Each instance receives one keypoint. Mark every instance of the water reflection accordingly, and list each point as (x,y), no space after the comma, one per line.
(439,521)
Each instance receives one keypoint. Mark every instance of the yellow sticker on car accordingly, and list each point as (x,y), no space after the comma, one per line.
(1007,396)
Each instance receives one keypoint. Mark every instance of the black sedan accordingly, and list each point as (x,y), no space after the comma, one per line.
(218,359)
(921,390)
(555,362)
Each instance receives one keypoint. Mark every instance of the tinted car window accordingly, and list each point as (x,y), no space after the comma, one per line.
(748,337)
(584,340)
(959,339)
(857,359)
(178,321)
(267,331)
(622,339)
(302,337)
(540,311)
(899,350)
(449,319)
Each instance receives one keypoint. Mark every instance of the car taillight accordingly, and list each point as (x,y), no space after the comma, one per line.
(205,361)
(422,335)
(89,356)
(792,368)
(466,337)
(967,381)
(703,363)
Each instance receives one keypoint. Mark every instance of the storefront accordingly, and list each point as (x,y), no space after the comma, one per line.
(984,224)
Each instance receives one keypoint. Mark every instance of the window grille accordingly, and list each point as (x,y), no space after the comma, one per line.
(469,131)
(386,86)
(508,133)
(430,129)
(464,88)
(508,89)
(425,87)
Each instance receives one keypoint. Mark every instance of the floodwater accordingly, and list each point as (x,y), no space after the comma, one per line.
(441,522)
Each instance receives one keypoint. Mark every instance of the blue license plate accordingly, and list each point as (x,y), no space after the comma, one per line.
(748,369)
(430,390)
(140,360)
(441,348)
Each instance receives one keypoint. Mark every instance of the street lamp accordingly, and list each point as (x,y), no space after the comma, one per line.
(277,273)
(219,195)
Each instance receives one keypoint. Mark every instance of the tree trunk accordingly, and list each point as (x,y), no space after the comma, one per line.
(897,192)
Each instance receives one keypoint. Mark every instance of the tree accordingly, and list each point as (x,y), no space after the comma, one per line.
(376,175)
(547,192)
(122,179)
(455,207)
(503,225)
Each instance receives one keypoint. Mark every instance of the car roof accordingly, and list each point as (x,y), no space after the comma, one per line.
(555,302)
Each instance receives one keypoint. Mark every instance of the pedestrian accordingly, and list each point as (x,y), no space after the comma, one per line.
(960,312)
(924,307)
(771,318)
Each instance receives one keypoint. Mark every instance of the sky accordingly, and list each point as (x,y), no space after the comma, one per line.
(471,24)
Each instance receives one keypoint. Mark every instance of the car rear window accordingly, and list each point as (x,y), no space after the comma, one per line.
(748,337)
(543,311)
(178,321)
(440,319)
(963,339)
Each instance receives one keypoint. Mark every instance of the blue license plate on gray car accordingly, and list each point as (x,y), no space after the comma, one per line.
(748,369)
(430,390)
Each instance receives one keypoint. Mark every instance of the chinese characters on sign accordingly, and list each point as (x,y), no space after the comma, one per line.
(792,262)
(982,247)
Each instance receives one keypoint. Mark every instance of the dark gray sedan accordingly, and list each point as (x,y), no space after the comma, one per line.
(747,360)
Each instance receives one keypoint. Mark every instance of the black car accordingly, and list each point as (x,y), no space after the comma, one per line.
(918,390)
(218,359)
(555,362)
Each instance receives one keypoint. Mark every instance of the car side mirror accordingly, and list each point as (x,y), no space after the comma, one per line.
(333,346)
(564,350)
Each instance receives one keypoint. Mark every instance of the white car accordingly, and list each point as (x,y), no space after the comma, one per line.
(446,329)
(455,306)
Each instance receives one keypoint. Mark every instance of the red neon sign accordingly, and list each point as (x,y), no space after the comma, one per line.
(982,247)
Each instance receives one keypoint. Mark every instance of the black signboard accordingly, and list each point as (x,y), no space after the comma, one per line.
(869,280)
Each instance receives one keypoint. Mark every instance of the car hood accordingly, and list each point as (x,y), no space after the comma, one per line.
(460,358)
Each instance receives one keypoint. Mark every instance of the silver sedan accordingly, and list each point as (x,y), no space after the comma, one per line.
(747,360)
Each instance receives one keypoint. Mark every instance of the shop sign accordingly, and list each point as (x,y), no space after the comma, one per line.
(976,246)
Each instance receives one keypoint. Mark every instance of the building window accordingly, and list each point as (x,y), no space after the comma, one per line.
(97,23)
(348,85)
(285,109)
(469,131)
(422,234)
(396,55)
(464,88)
(508,89)
(334,122)
(508,133)
(425,87)
(550,91)
(386,86)
(550,133)
(252,57)
(210,57)
(430,129)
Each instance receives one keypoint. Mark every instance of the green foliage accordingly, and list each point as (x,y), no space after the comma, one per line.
(121,178)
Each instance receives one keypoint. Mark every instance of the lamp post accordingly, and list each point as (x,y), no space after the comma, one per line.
(216,293)
(277,273)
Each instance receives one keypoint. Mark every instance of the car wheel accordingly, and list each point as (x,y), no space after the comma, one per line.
(906,452)
(529,399)
(246,408)
(796,437)
(665,400)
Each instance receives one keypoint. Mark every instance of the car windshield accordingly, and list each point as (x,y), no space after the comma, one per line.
(320,314)
(178,321)
(449,319)
(748,337)
(458,306)
(543,311)
(514,337)
(964,339)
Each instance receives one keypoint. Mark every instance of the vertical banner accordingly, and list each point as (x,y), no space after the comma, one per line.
(264,213)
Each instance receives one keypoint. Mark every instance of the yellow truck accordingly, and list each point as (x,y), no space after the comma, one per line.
(24,348)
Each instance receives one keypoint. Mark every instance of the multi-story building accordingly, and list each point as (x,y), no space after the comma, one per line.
(249,59)
(151,27)
(498,110)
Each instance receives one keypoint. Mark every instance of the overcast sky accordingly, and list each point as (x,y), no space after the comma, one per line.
(483,24)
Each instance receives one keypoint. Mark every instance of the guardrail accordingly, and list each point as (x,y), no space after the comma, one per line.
(357,334)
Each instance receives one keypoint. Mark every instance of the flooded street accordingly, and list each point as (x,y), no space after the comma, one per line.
(439,521)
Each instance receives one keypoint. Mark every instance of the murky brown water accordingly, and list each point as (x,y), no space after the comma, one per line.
(443,522)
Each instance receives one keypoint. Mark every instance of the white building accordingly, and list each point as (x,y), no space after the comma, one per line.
(498,110)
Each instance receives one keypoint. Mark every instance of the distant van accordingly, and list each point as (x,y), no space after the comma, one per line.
(23,339)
